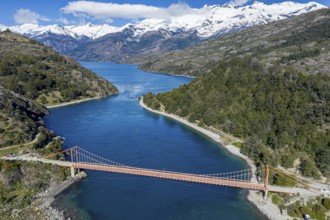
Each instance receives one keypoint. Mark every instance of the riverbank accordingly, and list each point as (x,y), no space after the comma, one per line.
(73,102)
(266,207)
(210,134)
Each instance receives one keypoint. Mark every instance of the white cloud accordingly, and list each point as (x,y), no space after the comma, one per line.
(104,11)
(238,2)
(23,16)
(62,20)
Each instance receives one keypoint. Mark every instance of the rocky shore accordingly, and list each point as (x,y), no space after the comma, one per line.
(43,205)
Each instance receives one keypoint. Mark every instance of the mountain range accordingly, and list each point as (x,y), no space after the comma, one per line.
(301,42)
(93,42)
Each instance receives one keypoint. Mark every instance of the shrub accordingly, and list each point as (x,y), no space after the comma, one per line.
(276,199)
(326,203)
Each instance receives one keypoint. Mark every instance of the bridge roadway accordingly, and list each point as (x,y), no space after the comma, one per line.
(196,178)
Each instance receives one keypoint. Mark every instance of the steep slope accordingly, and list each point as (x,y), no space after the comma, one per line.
(32,74)
(281,110)
(120,47)
(20,118)
(301,42)
(31,69)
(62,38)
(61,43)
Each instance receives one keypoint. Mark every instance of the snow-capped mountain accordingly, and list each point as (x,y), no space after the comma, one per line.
(88,30)
(160,35)
(219,20)
(216,19)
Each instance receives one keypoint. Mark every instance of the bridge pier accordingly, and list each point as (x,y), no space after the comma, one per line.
(72,171)
(265,194)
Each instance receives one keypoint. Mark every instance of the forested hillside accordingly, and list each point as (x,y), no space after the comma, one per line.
(32,75)
(282,114)
(280,108)
(38,72)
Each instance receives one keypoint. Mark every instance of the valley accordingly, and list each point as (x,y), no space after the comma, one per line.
(260,87)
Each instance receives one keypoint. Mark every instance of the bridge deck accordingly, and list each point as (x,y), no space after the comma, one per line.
(171,175)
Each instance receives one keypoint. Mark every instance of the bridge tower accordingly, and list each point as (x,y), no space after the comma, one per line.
(74,159)
(266,182)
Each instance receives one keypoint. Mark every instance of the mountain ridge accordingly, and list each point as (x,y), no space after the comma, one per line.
(216,14)
(260,41)
(213,21)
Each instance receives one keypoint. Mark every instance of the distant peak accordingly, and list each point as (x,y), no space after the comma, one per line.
(89,24)
(227,5)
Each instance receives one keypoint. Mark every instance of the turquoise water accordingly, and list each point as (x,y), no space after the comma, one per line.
(119,129)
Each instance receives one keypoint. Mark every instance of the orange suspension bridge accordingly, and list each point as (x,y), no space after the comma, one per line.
(247,179)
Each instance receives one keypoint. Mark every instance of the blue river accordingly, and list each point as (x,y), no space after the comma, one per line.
(119,129)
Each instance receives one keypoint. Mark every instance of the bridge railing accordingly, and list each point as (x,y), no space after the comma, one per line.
(81,156)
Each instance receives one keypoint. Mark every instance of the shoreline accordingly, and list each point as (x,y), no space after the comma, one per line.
(45,200)
(266,207)
(210,134)
(168,74)
(73,102)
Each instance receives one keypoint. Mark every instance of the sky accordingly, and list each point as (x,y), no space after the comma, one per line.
(112,12)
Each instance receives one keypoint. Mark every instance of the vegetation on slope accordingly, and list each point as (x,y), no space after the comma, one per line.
(38,72)
(297,208)
(19,118)
(268,85)
(32,74)
(20,182)
(302,42)
(281,114)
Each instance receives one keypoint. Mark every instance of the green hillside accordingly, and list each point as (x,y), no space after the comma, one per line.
(38,72)
(32,75)
(281,111)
